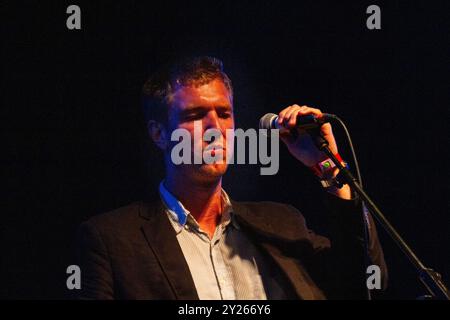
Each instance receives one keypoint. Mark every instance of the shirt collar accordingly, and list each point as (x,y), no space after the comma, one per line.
(182,216)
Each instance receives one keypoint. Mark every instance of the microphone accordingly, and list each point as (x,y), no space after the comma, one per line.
(270,121)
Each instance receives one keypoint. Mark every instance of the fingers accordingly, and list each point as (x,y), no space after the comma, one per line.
(291,116)
(288,116)
(282,115)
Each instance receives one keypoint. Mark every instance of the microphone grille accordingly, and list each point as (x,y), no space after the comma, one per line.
(266,121)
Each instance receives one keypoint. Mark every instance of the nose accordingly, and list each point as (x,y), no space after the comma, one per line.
(211,121)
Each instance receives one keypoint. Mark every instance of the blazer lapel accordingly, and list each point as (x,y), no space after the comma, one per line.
(303,285)
(161,238)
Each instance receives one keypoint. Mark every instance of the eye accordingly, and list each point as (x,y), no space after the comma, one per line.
(225,115)
(195,116)
(192,116)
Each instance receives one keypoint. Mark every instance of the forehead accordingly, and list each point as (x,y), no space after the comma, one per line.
(213,93)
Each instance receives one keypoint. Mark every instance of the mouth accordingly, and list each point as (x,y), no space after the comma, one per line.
(215,150)
(212,148)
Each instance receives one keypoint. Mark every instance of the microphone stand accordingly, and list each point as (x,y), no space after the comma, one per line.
(430,278)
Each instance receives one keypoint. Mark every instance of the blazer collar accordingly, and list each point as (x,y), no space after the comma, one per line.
(161,238)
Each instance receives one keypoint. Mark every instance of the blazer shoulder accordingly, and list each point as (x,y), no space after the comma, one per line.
(117,216)
(269,210)
(273,218)
(122,220)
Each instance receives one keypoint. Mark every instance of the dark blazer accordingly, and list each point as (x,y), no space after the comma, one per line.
(133,253)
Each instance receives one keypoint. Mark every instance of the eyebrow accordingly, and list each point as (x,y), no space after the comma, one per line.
(203,108)
(192,110)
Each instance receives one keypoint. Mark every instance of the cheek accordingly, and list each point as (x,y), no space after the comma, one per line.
(227,124)
(197,131)
(231,123)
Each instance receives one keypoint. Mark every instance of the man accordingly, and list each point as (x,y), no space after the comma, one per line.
(196,242)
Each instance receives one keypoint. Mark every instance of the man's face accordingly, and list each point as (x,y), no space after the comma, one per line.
(211,106)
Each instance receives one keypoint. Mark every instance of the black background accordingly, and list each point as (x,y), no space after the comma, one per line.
(75,144)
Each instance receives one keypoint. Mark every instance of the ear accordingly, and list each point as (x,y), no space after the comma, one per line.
(158,134)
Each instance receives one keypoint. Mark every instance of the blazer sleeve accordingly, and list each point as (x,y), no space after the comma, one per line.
(341,267)
(95,265)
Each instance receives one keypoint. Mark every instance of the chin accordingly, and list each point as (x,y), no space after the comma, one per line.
(212,171)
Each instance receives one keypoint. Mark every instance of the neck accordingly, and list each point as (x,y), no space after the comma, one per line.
(204,201)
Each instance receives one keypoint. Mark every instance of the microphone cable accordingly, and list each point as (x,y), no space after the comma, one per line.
(365,211)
